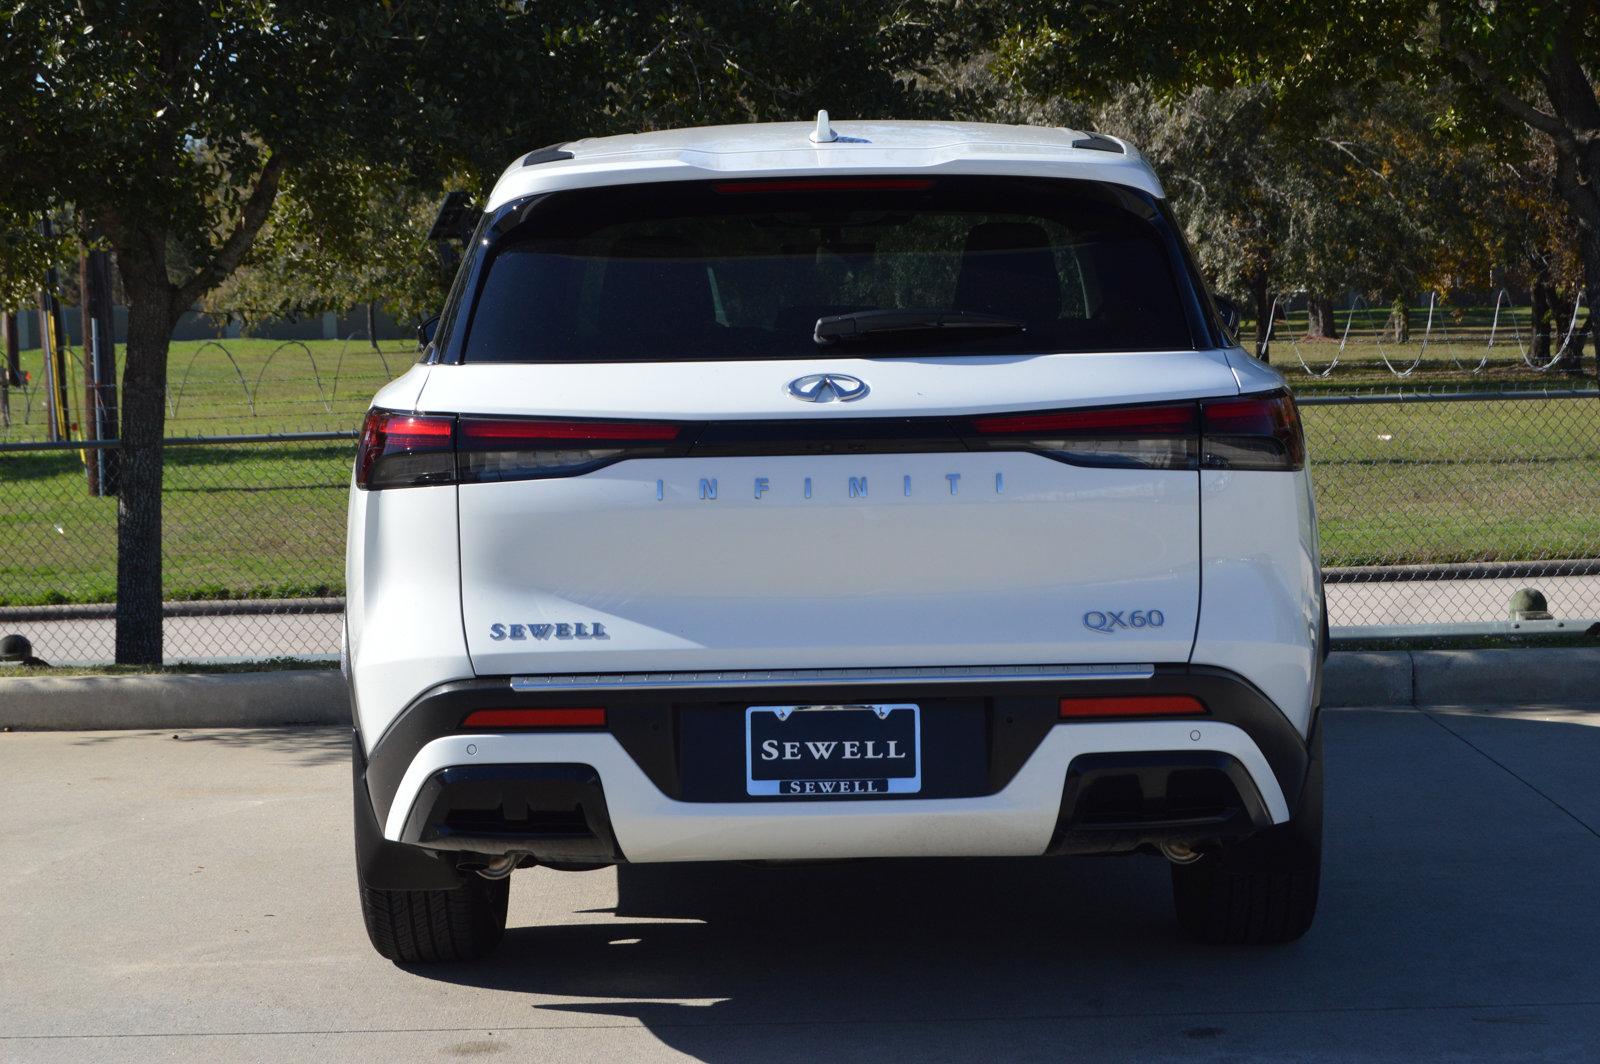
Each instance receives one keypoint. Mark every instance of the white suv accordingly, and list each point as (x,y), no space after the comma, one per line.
(775,493)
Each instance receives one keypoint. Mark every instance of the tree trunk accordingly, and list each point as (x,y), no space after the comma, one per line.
(372,326)
(1319,318)
(1261,299)
(1542,301)
(144,420)
(1589,250)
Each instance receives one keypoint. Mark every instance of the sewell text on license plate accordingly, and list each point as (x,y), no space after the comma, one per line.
(823,751)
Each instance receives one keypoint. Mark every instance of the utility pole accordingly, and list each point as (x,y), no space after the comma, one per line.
(99,370)
(52,343)
(52,426)
(11,370)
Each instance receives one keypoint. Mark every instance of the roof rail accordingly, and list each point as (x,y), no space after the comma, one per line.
(548,154)
(1097,142)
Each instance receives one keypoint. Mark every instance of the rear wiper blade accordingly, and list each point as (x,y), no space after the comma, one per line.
(842,328)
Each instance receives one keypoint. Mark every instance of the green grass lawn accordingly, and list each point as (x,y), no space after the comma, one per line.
(1454,482)
(1413,483)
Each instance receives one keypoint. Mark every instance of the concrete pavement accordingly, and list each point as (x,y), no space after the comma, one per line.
(192,898)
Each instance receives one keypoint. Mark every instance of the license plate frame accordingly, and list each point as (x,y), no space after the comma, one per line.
(868,725)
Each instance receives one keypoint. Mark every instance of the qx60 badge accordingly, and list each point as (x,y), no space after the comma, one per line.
(827,388)
(1109,621)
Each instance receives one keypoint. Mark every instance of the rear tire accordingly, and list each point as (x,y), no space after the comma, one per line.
(434,926)
(1263,889)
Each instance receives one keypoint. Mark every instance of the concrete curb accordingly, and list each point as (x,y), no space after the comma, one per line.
(174,700)
(1532,676)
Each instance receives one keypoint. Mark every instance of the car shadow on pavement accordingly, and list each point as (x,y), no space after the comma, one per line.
(739,963)
(307,746)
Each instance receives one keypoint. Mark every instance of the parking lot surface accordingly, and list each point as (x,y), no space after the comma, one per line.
(191,896)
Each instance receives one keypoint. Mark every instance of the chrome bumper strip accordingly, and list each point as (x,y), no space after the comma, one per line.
(798,677)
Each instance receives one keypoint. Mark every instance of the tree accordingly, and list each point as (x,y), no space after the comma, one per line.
(1276,205)
(299,265)
(1513,69)
(171,126)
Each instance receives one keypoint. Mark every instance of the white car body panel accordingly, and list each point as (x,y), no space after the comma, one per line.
(402,601)
(1016,822)
(1261,606)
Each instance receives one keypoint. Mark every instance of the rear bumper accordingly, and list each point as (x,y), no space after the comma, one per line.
(636,792)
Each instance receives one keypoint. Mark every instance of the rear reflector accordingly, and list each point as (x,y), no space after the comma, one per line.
(565,717)
(1133,706)
(829,184)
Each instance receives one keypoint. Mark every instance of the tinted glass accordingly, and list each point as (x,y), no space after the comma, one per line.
(745,269)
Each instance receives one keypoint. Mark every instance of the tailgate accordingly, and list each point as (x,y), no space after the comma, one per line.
(823,561)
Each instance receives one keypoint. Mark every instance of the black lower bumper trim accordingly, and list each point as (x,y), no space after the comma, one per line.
(385,865)
(1116,803)
(555,813)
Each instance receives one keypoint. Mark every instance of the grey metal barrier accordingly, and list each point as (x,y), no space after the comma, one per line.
(1435,510)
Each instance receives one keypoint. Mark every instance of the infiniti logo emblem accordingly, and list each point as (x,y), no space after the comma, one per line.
(827,388)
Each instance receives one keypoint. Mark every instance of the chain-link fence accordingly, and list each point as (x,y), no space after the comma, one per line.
(1434,510)
(252,548)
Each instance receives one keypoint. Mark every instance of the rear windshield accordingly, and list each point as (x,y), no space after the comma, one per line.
(718,270)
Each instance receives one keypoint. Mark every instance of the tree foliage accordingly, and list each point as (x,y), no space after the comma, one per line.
(1515,81)
(604,69)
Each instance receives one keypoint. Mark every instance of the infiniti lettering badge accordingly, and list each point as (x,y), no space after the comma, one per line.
(827,388)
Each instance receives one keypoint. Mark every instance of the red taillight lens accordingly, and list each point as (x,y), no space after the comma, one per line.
(405,450)
(554,717)
(524,449)
(1148,437)
(1132,706)
(1252,432)
(828,184)
(484,431)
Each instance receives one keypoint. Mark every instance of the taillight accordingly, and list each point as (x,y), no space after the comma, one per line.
(1132,706)
(1146,437)
(1252,432)
(542,717)
(524,449)
(405,450)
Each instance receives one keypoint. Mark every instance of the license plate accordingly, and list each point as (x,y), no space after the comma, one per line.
(834,750)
